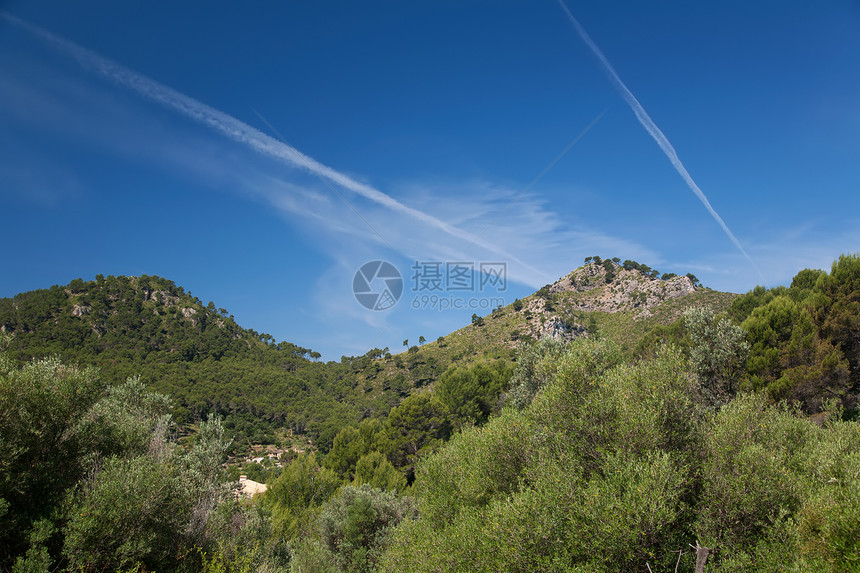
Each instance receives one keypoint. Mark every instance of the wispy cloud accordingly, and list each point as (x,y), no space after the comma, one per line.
(431,220)
(244,134)
(782,252)
(655,132)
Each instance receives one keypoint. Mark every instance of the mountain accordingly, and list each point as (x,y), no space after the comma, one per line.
(195,353)
(610,452)
(206,362)
(620,301)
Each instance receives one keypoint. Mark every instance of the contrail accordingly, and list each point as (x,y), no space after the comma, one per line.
(241,132)
(655,132)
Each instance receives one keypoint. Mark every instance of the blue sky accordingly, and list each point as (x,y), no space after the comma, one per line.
(259,155)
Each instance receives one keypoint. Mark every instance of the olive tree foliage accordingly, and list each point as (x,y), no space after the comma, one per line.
(243,541)
(536,366)
(355,526)
(129,420)
(619,467)
(591,476)
(42,447)
(718,353)
(148,510)
(778,492)
(90,477)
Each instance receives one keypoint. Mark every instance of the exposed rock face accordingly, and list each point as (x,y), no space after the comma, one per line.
(561,330)
(596,288)
(162,296)
(628,289)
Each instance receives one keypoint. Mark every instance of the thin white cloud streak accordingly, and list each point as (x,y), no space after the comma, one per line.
(655,132)
(243,133)
(783,252)
(550,242)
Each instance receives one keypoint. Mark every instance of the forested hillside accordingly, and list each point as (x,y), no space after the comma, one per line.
(195,353)
(653,424)
(198,355)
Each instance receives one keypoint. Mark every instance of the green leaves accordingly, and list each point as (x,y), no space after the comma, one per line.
(294,498)
(718,353)
(41,446)
(789,357)
(417,426)
(355,526)
(375,470)
(591,475)
(471,393)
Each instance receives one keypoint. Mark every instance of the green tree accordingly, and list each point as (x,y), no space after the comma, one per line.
(471,393)
(838,310)
(415,427)
(718,353)
(42,448)
(346,448)
(296,495)
(789,358)
(375,469)
(351,444)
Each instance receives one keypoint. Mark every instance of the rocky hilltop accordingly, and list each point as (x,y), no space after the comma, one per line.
(606,286)
(621,289)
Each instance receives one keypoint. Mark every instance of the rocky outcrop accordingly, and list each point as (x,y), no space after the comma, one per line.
(558,310)
(626,290)
(561,330)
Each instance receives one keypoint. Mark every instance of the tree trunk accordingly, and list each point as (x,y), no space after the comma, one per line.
(701,556)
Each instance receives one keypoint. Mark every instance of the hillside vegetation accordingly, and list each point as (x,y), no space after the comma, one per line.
(199,356)
(612,421)
(195,353)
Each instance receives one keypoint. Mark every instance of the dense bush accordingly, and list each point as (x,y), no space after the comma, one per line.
(624,466)
(592,474)
(91,479)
